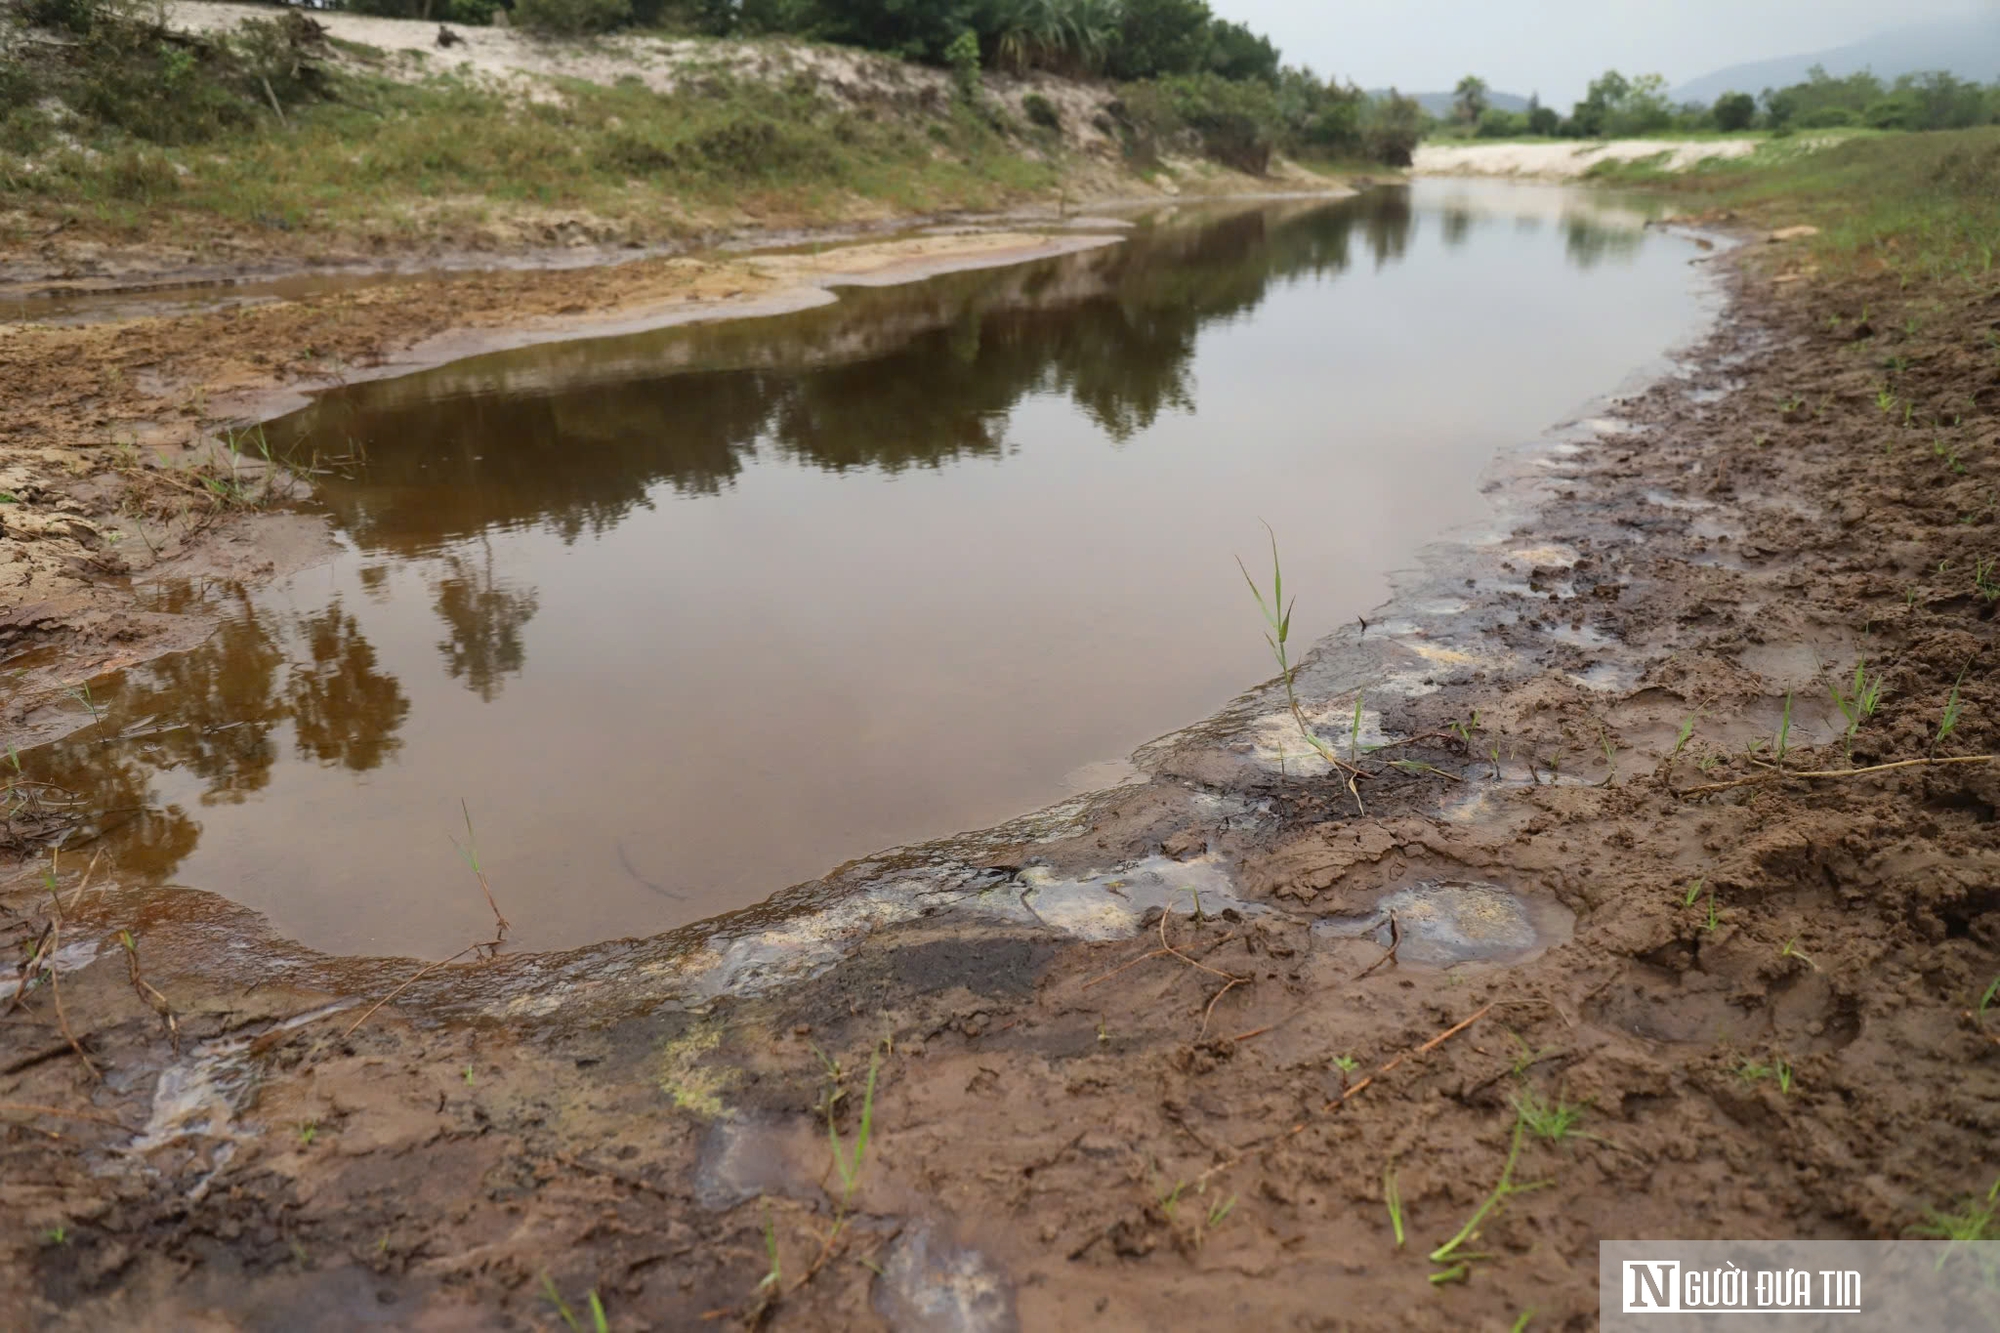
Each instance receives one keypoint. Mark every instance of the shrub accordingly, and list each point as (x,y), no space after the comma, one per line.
(570,18)
(963,57)
(1734,112)
(1497,124)
(1827,118)
(1041,111)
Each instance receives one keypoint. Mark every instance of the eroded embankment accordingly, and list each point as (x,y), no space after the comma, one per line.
(1761,1000)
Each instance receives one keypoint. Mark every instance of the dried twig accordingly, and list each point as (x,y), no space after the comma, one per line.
(471,854)
(30,1108)
(421,973)
(1431,1045)
(1395,943)
(1240,1152)
(148,992)
(62,1019)
(1780,775)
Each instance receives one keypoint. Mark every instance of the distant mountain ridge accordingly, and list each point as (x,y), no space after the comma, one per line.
(1969,48)
(1440,104)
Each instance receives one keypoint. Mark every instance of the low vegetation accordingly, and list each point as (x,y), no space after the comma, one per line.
(110,117)
(1922,207)
(1619,107)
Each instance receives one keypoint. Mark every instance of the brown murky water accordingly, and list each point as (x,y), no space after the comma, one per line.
(688,617)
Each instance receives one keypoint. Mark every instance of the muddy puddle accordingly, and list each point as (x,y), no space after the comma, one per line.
(684,618)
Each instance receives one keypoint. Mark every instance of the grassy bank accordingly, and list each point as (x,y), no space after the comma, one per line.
(278,135)
(386,158)
(1922,207)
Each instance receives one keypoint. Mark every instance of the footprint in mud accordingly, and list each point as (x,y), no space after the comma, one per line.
(1446,922)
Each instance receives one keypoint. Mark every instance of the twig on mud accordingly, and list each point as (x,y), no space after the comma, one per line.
(1155,953)
(1230,980)
(62,1019)
(30,1108)
(1243,1150)
(1431,1045)
(148,992)
(1764,779)
(29,967)
(420,975)
(76,895)
(1395,943)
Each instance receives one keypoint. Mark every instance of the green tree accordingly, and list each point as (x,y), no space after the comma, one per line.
(1157,37)
(1606,93)
(1470,100)
(1542,120)
(1734,111)
(1235,52)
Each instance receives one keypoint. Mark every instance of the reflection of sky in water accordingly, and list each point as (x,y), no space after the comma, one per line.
(689,616)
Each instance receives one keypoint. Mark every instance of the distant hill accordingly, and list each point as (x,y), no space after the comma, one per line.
(1969,48)
(1440,104)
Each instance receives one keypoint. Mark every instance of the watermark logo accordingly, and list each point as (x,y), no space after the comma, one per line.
(1667,1286)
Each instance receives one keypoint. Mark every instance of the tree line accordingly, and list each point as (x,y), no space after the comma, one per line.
(1615,106)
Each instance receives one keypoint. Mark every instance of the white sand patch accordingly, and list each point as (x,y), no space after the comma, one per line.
(1565,160)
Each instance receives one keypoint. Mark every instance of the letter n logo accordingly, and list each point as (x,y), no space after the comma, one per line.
(1652,1286)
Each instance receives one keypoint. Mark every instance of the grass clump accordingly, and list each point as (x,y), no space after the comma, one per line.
(1975,1219)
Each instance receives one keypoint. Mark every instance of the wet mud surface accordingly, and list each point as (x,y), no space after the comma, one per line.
(1129,1063)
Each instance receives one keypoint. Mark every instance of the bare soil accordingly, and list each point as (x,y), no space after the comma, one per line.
(1159,1130)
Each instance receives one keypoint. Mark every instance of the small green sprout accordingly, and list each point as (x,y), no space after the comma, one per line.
(1554,1121)
(1983,581)
(1857,703)
(598,1323)
(1220,1212)
(1954,707)
(1754,1072)
(775,1275)
(1694,892)
(1686,734)
(1392,1199)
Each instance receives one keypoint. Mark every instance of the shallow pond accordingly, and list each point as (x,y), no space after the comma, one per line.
(686,617)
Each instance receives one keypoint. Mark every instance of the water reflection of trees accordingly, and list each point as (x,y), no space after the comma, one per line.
(484,617)
(1589,242)
(218,712)
(885,379)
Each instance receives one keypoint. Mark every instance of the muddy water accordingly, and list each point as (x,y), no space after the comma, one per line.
(687,617)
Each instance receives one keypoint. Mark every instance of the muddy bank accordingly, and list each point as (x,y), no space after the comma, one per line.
(1757,1005)
(128,453)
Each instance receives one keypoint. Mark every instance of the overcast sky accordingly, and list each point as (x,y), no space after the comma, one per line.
(1557,46)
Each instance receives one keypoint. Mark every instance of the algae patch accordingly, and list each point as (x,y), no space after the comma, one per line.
(693,1085)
